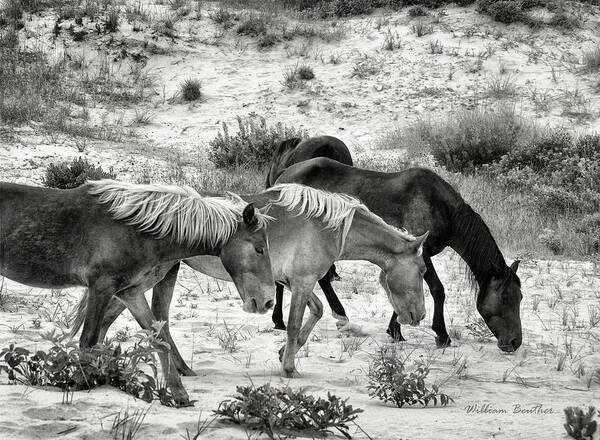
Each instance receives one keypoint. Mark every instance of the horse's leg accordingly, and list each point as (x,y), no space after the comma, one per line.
(161,301)
(287,354)
(437,292)
(395,329)
(99,295)
(114,309)
(136,303)
(316,312)
(278,309)
(337,308)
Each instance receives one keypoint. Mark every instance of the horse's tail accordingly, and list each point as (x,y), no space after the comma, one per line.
(80,313)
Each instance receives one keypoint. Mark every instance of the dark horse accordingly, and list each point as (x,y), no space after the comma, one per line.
(296,150)
(419,200)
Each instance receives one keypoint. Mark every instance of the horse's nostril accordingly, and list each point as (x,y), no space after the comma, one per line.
(412,317)
(254,305)
(423,316)
(514,342)
(269,304)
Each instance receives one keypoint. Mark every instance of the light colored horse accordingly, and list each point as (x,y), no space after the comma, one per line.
(119,240)
(314,228)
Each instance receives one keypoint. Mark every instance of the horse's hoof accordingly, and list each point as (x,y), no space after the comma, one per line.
(281,352)
(443,341)
(280,326)
(290,372)
(184,403)
(396,335)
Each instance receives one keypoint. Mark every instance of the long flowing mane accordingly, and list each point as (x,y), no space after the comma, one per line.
(334,209)
(477,246)
(173,211)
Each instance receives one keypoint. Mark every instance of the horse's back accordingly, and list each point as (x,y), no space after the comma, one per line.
(416,198)
(295,150)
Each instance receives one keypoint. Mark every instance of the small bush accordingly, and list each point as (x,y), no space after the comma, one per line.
(345,8)
(579,424)
(591,60)
(111,23)
(71,175)
(471,138)
(422,29)
(273,411)
(506,11)
(562,171)
(267,40)
(305,72)
(417,11)
(70,368)
(552,240)
(223,17)
(252,146)
(190,89)
(365,67)
(255,25)
(390,382)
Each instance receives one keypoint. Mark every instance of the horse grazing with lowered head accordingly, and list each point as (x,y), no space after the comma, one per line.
(119,240)
(312,229)
(420,200)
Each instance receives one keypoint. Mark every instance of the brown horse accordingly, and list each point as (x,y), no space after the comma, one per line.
(120,240)
(302,250)
(420,200)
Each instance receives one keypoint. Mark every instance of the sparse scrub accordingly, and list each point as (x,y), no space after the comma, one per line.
(65,175)
(190,89)
(295,76)
(501,86)
(421,29)
(591,60)
(435,47)
(365,67)
(112,20)
(276,411)
(391,41)
(126,425)
(417,11)
(390,382)
(223,17)
(255,25)
(252,145)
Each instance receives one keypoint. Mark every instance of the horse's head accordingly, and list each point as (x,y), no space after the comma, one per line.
(245,256)
(402,280)
(499,305)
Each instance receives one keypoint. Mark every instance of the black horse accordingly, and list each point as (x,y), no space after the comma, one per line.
(419,200)
(296,150)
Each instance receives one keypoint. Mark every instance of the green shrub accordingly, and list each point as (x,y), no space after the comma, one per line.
(417,11)
(67,175)
(252,146)
(273,411)
(390,382)
(70,368)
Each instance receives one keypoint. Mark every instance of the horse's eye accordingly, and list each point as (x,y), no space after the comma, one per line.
(259,251)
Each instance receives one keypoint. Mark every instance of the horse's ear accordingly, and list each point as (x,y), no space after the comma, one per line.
(515,266)
(249,215)
(419,243)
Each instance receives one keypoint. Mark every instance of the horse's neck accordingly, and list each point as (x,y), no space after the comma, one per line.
(209,265)
(473,241)
(371,241)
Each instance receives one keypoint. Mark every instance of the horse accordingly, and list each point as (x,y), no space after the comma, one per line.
(326,227)
(289,152)
(119,240)
(419,200)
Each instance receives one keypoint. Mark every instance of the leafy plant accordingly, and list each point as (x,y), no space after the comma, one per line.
(390,382)
(271,410)
(70,368)
(252,146)
(579,424)
(67,175)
